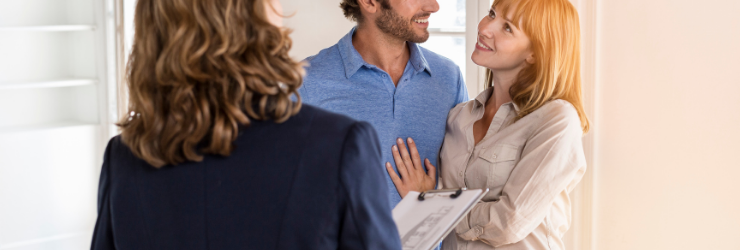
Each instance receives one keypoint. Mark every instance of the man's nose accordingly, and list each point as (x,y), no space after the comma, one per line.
(430,6)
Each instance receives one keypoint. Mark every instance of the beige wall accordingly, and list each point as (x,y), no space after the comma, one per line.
(668,125)
(316,24)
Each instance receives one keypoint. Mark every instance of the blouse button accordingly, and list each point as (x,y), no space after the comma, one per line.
(494,156)
(461,174)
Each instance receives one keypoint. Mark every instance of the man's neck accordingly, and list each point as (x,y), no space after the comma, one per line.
(382,50)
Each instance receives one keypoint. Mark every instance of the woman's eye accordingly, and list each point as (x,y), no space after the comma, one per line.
(507,28)
(491,14)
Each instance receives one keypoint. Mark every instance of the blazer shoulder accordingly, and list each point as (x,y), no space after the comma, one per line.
(326,119)
(328,133)
(116,146)
(117,153)
(119,157)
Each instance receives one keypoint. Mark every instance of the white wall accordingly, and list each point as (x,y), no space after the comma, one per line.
(48,187)
(317,24)
(668,125)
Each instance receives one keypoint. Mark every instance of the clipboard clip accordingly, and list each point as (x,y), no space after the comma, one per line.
(455,194)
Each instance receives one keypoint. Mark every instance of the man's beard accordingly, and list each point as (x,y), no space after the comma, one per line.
(393,24)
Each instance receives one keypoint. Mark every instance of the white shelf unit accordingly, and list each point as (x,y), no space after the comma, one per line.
(40,107)
(49,63)
(47,12)
(48,28)
(45,55)
(54,119)
(48,84)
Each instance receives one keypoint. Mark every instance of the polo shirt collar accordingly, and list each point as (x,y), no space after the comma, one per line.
(417,59)
(352,60)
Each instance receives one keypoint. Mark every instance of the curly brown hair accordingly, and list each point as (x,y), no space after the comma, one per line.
(201,69)
(352,12)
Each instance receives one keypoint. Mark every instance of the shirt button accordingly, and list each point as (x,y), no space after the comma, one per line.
(461,173)
(494,156)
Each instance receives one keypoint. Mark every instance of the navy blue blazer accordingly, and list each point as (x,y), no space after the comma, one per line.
(312,182)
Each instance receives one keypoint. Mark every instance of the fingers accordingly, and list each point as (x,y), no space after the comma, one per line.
(415,155)
(405,156)
(396,180)
(431,170)
(394,177)
(399,163)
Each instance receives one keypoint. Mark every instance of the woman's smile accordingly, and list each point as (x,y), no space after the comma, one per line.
(480,45)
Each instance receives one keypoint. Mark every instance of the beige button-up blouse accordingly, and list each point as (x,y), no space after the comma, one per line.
(529,166)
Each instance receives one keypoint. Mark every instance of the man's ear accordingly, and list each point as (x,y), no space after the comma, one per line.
(369,6)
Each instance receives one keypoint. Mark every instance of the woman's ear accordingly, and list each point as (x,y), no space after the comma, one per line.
(530,58)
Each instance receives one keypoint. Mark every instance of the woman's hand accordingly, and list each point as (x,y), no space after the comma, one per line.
(413,177)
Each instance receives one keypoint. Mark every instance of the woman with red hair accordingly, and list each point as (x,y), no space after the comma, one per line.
(520,138)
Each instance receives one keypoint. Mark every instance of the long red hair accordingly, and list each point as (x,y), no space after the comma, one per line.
(553,28)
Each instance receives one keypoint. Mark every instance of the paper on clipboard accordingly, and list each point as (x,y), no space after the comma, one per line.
(423,224)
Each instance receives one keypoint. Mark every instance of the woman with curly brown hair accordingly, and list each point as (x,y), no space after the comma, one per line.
(214,153)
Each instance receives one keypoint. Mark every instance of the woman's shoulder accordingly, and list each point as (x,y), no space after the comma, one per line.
(118,153)
(117,146)
(462,106)
(559,113)
(558,109)
(456,111)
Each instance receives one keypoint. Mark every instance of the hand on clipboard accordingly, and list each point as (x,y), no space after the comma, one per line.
(424,219)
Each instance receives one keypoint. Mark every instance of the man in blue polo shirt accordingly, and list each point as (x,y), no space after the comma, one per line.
(378,73)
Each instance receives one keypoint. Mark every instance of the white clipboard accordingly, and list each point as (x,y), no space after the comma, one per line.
(424,219)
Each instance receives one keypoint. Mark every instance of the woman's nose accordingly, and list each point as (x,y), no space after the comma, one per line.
(485,29)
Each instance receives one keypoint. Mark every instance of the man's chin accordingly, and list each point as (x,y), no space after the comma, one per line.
(420,38)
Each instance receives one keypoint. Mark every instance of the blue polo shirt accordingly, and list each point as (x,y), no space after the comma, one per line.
(339,80)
